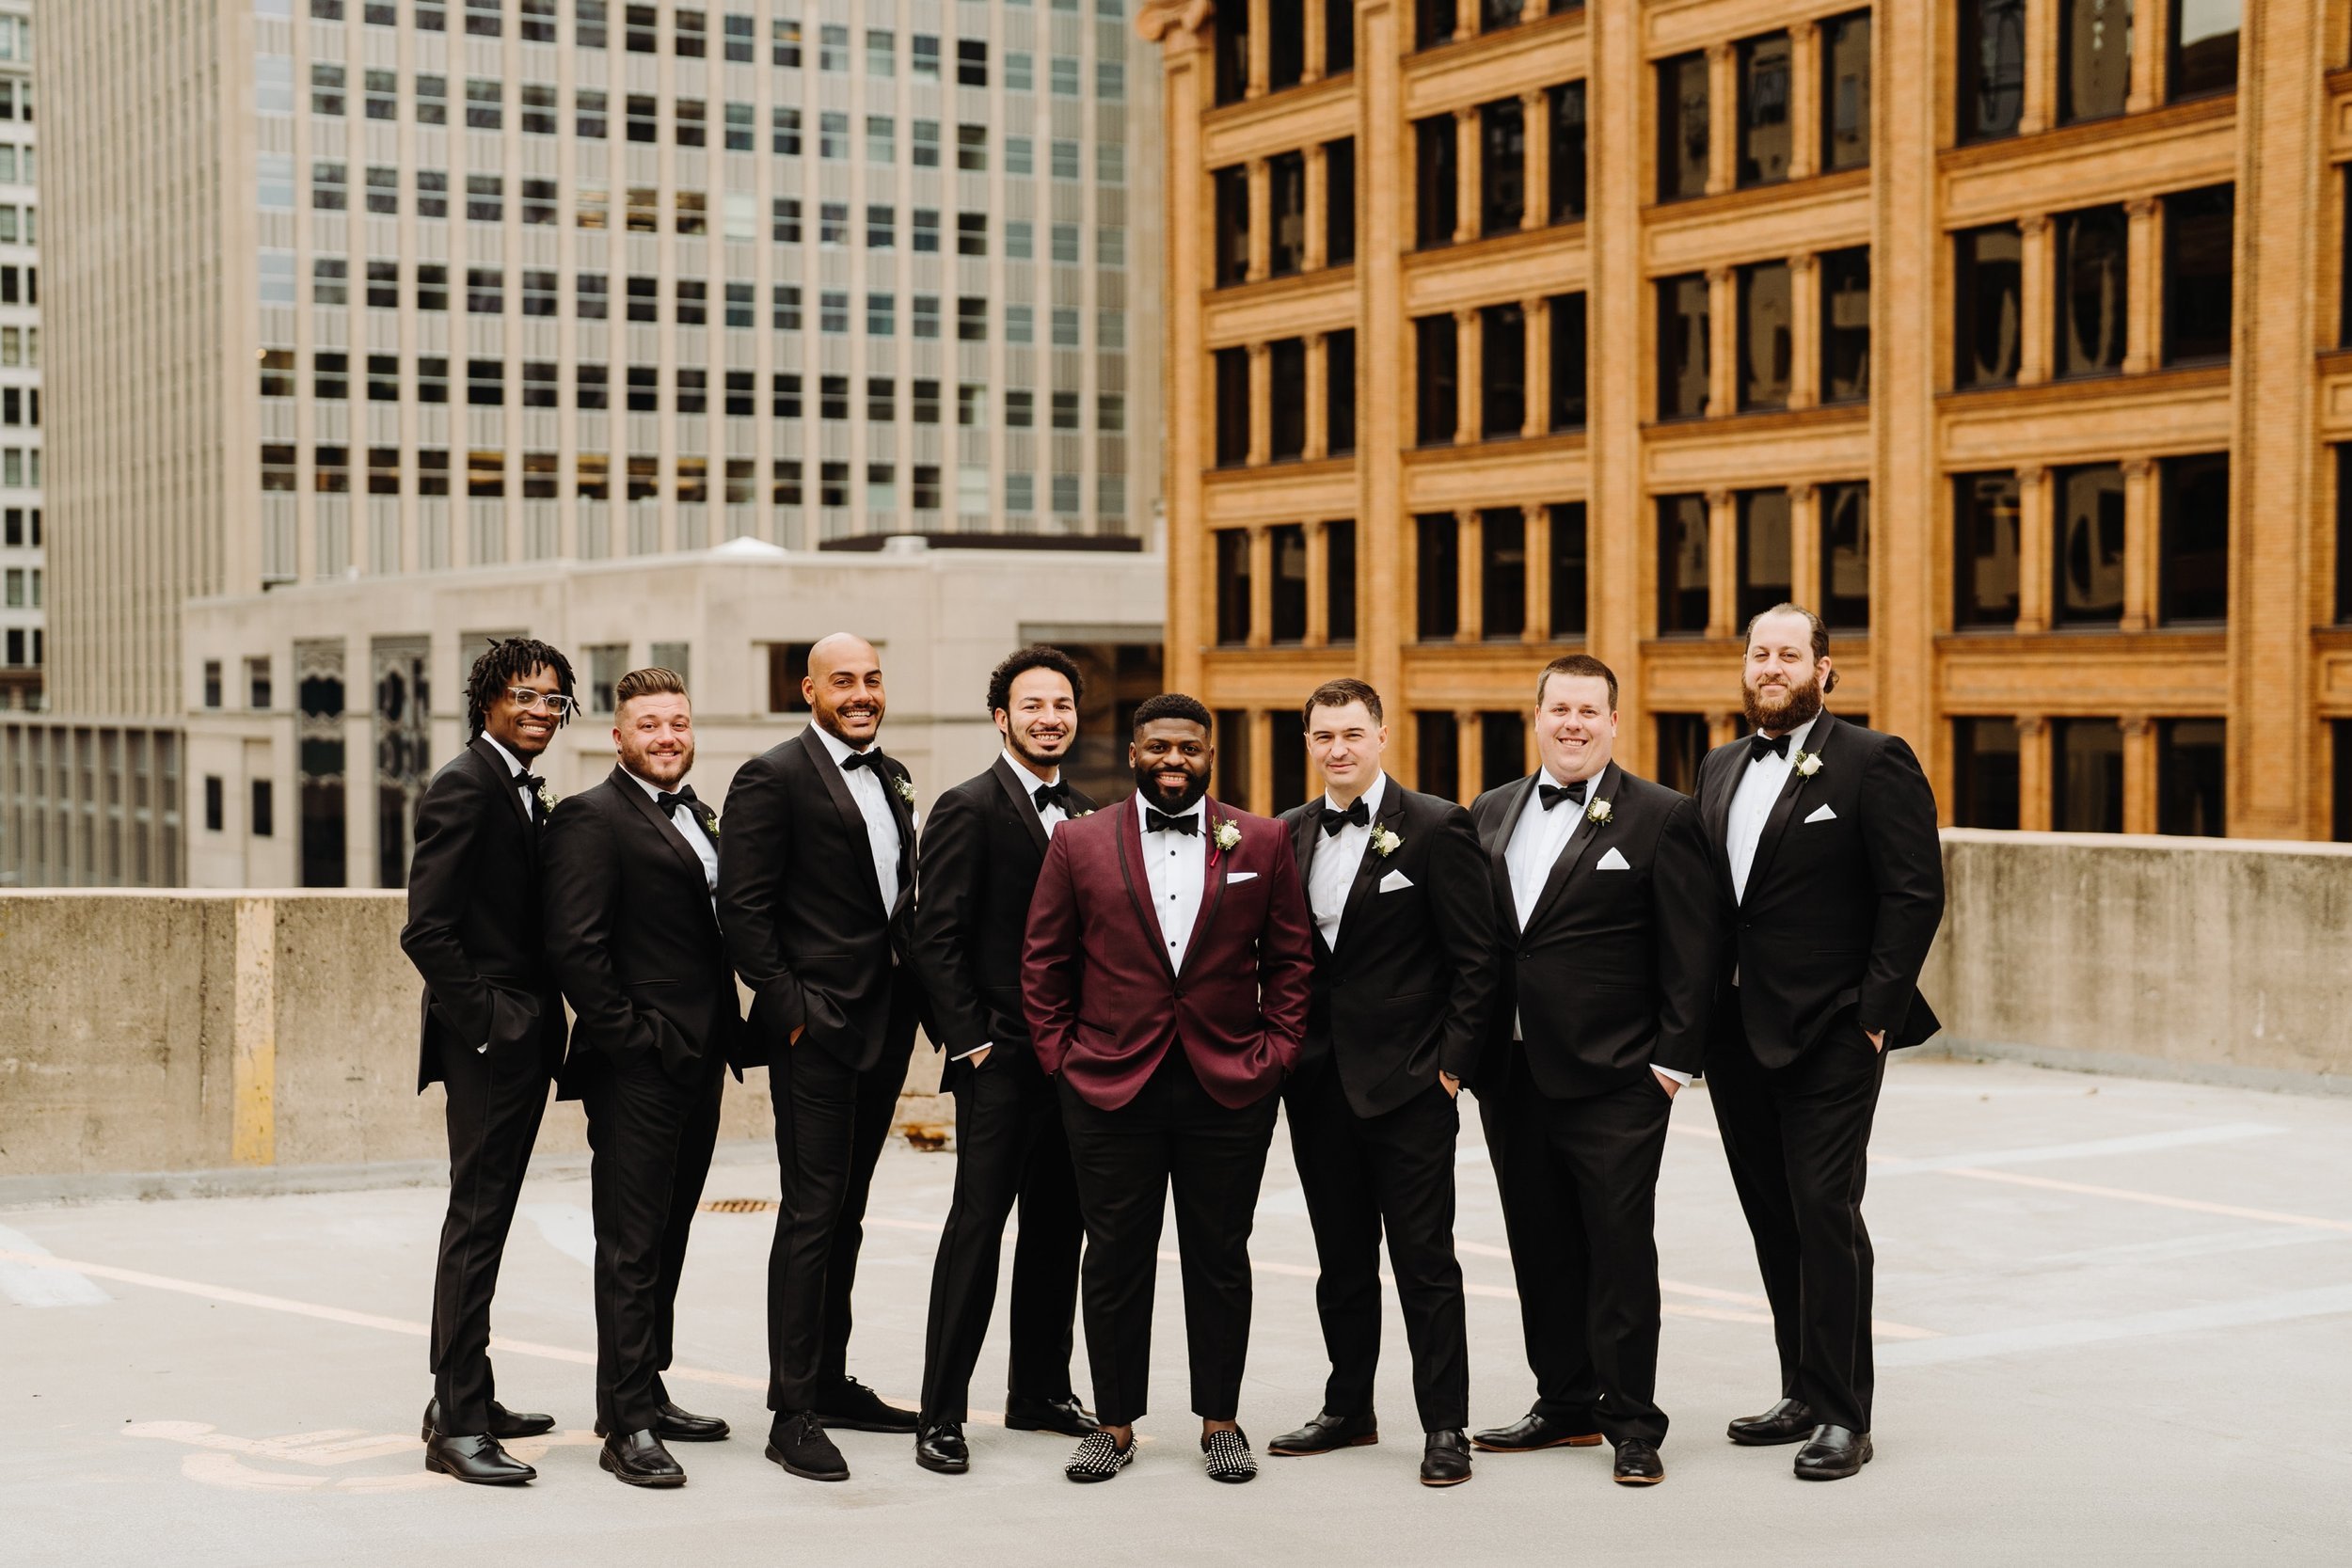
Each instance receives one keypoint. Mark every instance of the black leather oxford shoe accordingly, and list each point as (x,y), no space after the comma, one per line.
(940,1446)
(1327,1433)
(1532,1431)
(1638,1465)
(1788,1421)
(1445,1459)
(857,1408)
(1065,1416)
(639,1459)
(673,1425)
(1832,1453)
(478,1460)
(505,1423)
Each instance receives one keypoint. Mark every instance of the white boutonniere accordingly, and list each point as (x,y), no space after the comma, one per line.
(1228,834)
(1597,811)
(905,786)
(1808,764)
(1385,843)
(547,798)
(710,823)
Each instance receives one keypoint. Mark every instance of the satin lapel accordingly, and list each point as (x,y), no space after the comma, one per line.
(1131,872)
(494,767)
(852,819)
(1785,807)
(1572,853)
(903,815)
(1023,805)
(671,833)
(1304,832)
(1366,869)
(1212,884)
(1715,816)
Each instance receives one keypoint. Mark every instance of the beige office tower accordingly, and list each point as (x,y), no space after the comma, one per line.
(390,294)
(22,634)
(2009,334)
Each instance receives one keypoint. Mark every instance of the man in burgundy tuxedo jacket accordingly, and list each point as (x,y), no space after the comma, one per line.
(1166,978)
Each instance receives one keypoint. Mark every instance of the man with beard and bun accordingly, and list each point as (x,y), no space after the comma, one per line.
(1166,979)
(1832,877)
(982,848)
(1404,972)
(817,898)
(493,1026)
(632,930)
(1600,885)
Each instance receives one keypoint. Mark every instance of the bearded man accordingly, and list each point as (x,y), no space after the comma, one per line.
(1824,845)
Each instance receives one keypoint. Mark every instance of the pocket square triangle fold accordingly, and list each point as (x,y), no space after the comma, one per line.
(1396,881)
(1822,814)
(1613,861)
(1240,876)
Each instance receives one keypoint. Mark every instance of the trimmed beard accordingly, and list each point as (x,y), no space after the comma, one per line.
(1019,749)
(1147,786)
(1803,704)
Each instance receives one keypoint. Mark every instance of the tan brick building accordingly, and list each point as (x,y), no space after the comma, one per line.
(2003,331)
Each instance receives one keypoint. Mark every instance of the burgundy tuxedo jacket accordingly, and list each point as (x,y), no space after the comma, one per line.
(1103,1005)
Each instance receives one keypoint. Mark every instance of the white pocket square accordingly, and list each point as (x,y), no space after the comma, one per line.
(1613,861)
(1240,876)
(1822,814)
(1394,882)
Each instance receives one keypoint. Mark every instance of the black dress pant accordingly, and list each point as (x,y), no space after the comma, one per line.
(1010,1148)
(650,1136)
(832,1121)
(1798,1139)
(1171,1136)
(495,1100)
(1361,1174)
(1578,1182)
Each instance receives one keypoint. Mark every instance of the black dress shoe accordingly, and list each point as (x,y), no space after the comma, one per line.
(940,1447)
(800,1444)
(1532,1431)
(1638,1465)
(505,1423)
(475,1459)
(673,1425)
(639,1459)
(1327,1433)
(1445,1459)
(854,1406)
(1789,1421)
(1832,1453)
(1064,1415)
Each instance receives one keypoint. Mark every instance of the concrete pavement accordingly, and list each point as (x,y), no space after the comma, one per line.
(2113,1327)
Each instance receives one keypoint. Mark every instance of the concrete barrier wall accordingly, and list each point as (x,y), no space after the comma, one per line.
(201,1031)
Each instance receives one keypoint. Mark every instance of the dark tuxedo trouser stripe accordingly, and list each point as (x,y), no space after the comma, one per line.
(650,1139)
(1578,1182)
(1362,1175)
(1798,1140)
(832,1121)
(1010,1148)
(1171,1136)
(495,1100)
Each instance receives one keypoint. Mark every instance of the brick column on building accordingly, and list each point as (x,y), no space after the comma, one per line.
(1536,530)
(1805,330)
(1906,562)
(1722,564)
(1260,587)
(1467,165)
(1723,118)
(1468,758)
(2036,550)
(1536,315)
(1469,554)
(1316,45)
(1262,742)
(1261,219)
(1318,200)
(2143,294)
(1384,535)
(1318,584)
(1318,397)
(2034,774)
(1805,99)
(1465,17)
(1261,404)
(1723,341)
(2139,774)
(1260,44)
(2039,111)
(2147,23)
(1804,546)
(1185,78)
(2140,545)
(1613,440)
(1535,135)
(1469,363)
(2035,320)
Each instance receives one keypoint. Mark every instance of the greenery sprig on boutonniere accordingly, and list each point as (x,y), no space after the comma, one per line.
(1385,843)
(904,786)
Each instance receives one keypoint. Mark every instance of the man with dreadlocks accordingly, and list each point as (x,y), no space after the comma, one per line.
(493,1025)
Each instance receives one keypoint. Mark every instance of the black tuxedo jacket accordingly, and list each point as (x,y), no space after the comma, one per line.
(474,917)
(1614,971)
(1843,896)
(982,849)
(631,937)
(808,929)
(1407,992)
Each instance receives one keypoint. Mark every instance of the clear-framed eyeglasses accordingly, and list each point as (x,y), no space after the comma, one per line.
(528,698)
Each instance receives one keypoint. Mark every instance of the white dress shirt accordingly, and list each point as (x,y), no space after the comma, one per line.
(515,769)
(1052,816)
(1752,800)
(1331,875)
(1177,867)
(882,829)
(696,840)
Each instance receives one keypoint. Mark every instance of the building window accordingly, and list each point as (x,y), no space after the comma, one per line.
(1503,372)
(1437,400)
(2197,273)
(1503,573)
(1286,768)
(1286,47)
(1985,773)
(1566,197)
(1436,742)
(1846,92)
(2086,775)
(2193,540)
(1501,748)
(2203,55)
(1682,126)
(1338,387)
(1232,587)
(1765,576)
(1287,608)
(2344,535)
(2088,529)
(2340,735)
(1569,403)
(1339,581)
(1570,572)
(1437,560)
(1287,398)
(2094,58)
(1844,555)
(1992,83)
(1435,184)
(1339,36)
(1987,311)
(1765,132)
(1846,325)
(214,809)
(1985,550)
(1232,187)
(1339,203)
(1681,747)
(264,809)
(1501,165)
(1684,362)
(2092,293)
(1231,734)
(1286,239)
(1233,406)
(1231,57)
(1766,325)
(1683,547)
(2190,777)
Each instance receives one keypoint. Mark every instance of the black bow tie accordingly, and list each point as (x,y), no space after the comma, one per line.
(1160,822)
(1358,815)
(871,758)
(666,803)
(1051,795)
(531,781)
(1760,743)
(1551,795)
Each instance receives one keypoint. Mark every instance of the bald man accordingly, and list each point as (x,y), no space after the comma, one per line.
(817,897)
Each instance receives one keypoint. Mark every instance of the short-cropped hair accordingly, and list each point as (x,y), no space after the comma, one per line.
(1579,665)
(1037,656)
(1172,705)
(652,681)
(1339,693)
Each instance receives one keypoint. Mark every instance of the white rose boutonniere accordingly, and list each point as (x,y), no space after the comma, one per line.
(1808,764)
(547,798)
(1598,811)
(905,786)
(1385,843)
(1228,834)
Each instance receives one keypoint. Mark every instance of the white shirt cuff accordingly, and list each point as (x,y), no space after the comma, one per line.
(986,1045)
(1681,1078)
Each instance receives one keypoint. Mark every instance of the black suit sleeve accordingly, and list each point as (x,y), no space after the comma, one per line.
(440,886)
(955,871)
(1690,929)
(1461,903)
(753,865)
(580,885)
(1907,867)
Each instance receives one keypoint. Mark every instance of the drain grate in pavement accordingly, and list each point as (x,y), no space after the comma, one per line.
(739,1205)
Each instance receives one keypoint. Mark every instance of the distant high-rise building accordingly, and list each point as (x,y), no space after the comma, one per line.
(23,639)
